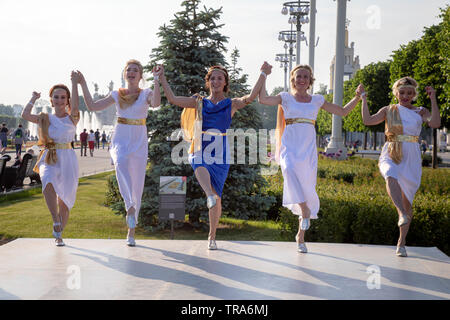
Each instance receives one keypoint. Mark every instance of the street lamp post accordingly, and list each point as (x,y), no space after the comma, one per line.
(284,59)
(289,38)
(336,142)
(298,11)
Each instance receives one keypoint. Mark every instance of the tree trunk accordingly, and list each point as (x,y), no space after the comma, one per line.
(374,140)
(435,148)
(365,140)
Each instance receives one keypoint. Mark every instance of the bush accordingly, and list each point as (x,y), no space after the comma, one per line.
(362,212)
(427,160)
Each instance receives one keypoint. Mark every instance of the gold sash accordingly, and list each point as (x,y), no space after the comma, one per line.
(211,133)
(281,125)
(403,138)
(136,122)
(300,120)
(192,125)
(127,100)
(394,129)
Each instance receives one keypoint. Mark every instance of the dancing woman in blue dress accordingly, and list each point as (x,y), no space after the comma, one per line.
(211,161)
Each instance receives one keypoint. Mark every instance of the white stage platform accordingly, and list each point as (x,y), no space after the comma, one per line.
(239,270)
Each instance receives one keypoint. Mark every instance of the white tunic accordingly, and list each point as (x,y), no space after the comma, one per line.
(63,175)
(129,150)
(408,172)
(298,155)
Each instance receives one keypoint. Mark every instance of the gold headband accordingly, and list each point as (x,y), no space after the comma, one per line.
(406,86)
(217,69)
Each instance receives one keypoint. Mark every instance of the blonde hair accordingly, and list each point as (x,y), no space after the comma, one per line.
(136,62)
(406,82)
(301,66)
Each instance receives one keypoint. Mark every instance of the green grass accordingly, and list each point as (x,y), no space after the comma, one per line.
(25,215)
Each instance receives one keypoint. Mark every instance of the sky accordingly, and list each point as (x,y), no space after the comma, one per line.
(41,42)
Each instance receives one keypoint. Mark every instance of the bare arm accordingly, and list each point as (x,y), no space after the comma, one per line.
(268,100)
(433,120)
(369,120)
(338,110)
(154,99)
(74,101)
(183,102)
(26,113)
(98,105)
(239,103)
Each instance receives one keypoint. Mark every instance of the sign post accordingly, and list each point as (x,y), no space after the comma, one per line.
(172,198)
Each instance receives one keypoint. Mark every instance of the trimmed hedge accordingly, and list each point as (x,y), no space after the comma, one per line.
(361,211)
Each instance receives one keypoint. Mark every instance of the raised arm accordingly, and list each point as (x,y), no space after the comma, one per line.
(239,103)
(91,105)
(369,120)
(154,99)
(263,97)
(26,113)
(183,102)
(434,119)
(74,101)
(338,110)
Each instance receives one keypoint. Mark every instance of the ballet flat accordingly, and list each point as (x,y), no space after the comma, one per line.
(401,252)
(212,245)
(211,201)
(131,242)
(305,224)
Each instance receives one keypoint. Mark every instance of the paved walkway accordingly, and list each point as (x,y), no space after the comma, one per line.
(100,162)
(239,270)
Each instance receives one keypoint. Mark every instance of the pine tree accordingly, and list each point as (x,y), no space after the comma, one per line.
(189,45)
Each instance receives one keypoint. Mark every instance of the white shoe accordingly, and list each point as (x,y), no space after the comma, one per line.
(401,251)
(131,221)
(212,245)
(211,201)
(302,248)
(304,224)
(59,244)
(131,242)
(57,235)
(403,220)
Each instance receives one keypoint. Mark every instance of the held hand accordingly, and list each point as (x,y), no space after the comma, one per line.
(81,77)
(266,68)
(157,71)
(430,92)
(75,77)
(360,91)
(35,96)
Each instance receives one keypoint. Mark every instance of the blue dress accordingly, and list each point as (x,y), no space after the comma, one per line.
(215,155)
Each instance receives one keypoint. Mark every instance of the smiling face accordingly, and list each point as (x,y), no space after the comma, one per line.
(217,82)
(133,73)
(405,95)
(302,79)
(59,98)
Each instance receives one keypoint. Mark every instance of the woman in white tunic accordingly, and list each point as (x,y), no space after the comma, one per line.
(57,164)
(297,153)
(400,160)
(129,143)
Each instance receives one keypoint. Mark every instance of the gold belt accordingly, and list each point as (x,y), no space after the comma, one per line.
(403,138)
(58,146)
(214,133)
(300,120)
(137,122)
